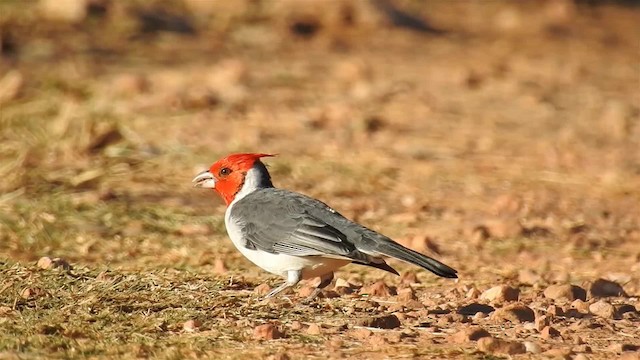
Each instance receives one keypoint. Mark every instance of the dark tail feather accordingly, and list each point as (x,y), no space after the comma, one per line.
(398,251)
(382,266)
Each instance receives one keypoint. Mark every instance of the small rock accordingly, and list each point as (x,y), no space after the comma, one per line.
(378,288)
(528,277)
(549,332)
(501,293)
(581,357)
(532,347)
(314,329)
(306,291)
(377,340)
(296,325)
(629,356)
(603,309)
(262,289)
(580,305)
(584,348)
(45,262)
(10,86)
(218,267)
(406,295)
(606,288)
(381,322)
(48,263)
(620,347)
(558,353)
(266,332)
(469,334)
(565,292)
(496,346)
(479,316)
(340,282)
(409,278)
(71,11)
(554,311)
(191,325)
(361,333)
(541,322)
(473,293)
(516,313)
(474,308)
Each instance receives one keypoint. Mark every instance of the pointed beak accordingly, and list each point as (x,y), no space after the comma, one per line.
(204,180)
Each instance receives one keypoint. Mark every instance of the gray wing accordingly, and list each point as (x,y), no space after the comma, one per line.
(279,221)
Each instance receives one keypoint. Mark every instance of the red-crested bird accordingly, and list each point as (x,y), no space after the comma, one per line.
(293,235)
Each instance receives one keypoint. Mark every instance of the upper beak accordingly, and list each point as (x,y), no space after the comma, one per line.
(204,180)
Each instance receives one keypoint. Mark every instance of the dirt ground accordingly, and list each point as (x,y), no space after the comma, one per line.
(500,137)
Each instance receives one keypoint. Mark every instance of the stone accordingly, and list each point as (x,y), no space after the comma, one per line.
(473,293)
(378,288)
(266,332)
(603,309)
(405,295)
(262,289)
(565,292)
(532,347)
(492,345)
(191,325)
(473,333)
(606,288)
(218,267)
(549,332)
(409,278)
(541,322)
(515,313)
(473,308)
(558,353)
(11,86)
(380,322)
(501,293)
(314,329)
(580,305)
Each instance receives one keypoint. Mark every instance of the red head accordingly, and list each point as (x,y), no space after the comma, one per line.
(228,175)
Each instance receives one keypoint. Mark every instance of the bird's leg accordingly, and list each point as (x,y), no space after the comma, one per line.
(293,278)
(325,280)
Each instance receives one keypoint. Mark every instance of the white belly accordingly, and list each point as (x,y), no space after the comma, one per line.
(280,264)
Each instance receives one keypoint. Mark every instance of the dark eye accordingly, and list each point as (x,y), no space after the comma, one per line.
(225,171)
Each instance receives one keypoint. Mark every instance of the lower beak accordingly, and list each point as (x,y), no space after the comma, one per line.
(204,180)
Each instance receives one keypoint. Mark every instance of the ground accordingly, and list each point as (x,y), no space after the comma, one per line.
(505,144)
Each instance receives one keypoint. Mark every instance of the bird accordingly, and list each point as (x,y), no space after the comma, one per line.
(293,235)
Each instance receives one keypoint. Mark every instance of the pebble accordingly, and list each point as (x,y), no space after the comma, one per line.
(267,332)
(603,309)
(565,292)
(381,322)
(378,288)
(497,346)
(473,333)
(501,293)
(516,313)
(532,347)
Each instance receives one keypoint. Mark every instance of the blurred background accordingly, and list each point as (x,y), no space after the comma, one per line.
(473,130)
